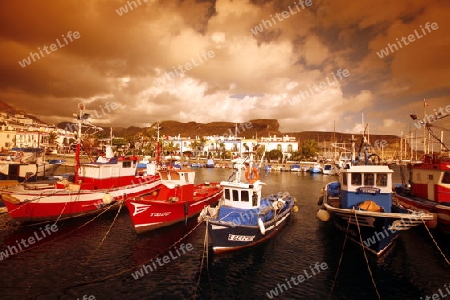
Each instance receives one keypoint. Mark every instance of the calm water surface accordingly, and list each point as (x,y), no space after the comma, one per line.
(74,265)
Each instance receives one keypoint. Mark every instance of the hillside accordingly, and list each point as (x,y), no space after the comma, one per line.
(251,129)
(258,128)
(340,137)
(4,107)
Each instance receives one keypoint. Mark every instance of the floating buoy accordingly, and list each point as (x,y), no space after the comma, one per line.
(261,226)
(107,198)
(323,215)
(432,224)
(295,208)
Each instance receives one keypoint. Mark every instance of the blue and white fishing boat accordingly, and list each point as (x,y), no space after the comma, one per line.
(330,169)
(243,218)
(316,169)
(360,204)
(210,163)
(295,168)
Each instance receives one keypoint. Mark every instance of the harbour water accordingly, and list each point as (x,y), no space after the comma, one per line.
(75,262)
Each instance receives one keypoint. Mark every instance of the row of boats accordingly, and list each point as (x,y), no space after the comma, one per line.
(314,168)
(362,202)
(236,212)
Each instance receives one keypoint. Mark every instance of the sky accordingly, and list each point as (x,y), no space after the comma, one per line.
(312,65)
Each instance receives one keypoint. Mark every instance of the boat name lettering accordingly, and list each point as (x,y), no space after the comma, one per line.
(368,190)
(163,214)
(242,238)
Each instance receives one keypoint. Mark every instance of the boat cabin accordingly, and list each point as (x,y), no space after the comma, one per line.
(366,183)
(241,195)
(242,203)
(431,180)
(171,178)
(119,171)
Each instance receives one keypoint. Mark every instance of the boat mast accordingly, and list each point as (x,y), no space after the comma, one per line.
(78,148)
(158,154)
(425,140)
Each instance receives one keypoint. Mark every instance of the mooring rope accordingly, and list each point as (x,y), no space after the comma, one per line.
(128,270)
(340,259)
(107,232)
(435,243)
(205,253)
(64,235)
(365,255)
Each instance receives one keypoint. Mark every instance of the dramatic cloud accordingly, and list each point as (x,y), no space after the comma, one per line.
(227,61)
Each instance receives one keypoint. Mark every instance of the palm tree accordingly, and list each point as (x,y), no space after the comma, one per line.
(275,154)
(310,148)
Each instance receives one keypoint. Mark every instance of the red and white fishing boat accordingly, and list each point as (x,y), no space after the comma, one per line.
(95,186)
(429,191)
(176,199)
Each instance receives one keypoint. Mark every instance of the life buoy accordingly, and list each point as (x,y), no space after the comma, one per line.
(251,174)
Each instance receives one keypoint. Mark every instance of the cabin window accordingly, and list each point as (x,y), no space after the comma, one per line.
(126,164)
(244,196)
(344,179)
(446,177)
(430,176)
(254,199)
(356,178)
(227,194)
(235,195)
(382,179)
(369,179)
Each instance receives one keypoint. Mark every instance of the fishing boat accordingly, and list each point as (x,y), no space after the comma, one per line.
(361,205)
(316,169)
(329,169)
(245,219)
(174,200)
(210,163)
(94,187)
(26,164)
(295,168)
(345,160)
(428,190)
